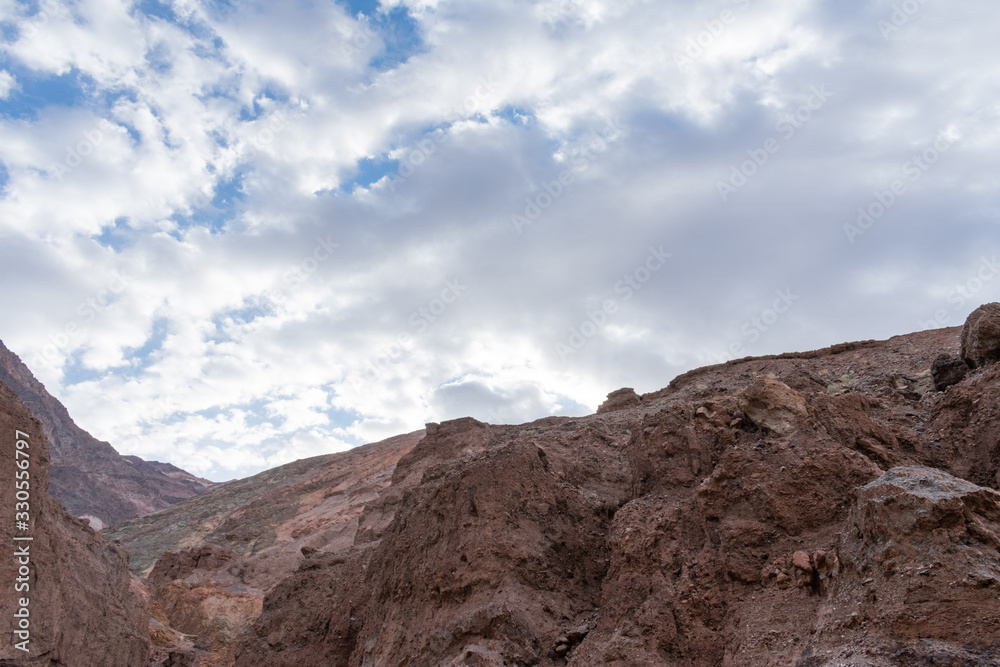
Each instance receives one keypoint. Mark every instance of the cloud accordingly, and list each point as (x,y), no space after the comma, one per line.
(7,84)
(243,235)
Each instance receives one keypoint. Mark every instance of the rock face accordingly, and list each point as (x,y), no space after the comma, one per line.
(209,560)
(921,559)
(815,509)
(981,336)
(83,608)
(88,476)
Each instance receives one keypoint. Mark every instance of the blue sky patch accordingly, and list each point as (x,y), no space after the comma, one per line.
(225,322)
(371,170)
(222,209)
(270,92)
(157,9)
(138,358)
(74,372)
(516,115)
(343,418)
(118,236)
(401,35)
(36,91)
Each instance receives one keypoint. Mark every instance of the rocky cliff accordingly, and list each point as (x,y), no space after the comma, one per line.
(835,507)
(217,555)
(66,595)
(87,475)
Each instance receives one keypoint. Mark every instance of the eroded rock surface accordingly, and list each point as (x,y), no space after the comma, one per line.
(209,561)
(84,608)
(813,509)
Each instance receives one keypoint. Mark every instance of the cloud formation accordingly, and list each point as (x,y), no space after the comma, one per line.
(237,235)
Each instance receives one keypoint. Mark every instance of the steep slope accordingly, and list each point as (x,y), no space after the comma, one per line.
(67,597)
(217,554)
(822,508)
(88,476)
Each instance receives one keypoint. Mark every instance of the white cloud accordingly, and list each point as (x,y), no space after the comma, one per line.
(7,84)
(269,313)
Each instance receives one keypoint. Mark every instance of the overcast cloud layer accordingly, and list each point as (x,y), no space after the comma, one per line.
(234,235)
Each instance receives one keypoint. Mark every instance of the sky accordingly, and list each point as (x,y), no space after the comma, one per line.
(235,234)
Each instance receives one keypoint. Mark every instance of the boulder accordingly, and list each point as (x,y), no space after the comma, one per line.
(773,405)
(981,336)
(948,370)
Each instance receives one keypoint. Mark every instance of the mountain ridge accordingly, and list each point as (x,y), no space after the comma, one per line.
(88,476)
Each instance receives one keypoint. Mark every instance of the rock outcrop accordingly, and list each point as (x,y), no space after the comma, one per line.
(620,399)
(66,592)
(813,509)
(981,336)
(773,406)
(88,476)
(210,560)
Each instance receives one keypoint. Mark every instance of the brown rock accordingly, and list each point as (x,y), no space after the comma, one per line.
(773,405)
(800,559)
(204,559)
(620,399)
(88,476)
(83,608)
(644,535)
(981,336)
(948,370)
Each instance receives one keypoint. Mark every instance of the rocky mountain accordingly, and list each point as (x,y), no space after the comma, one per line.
(217,554)
(67,597)
(88,476)
(835,507)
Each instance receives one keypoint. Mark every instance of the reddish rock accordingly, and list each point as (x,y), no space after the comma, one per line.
(669,534)
(620,399)
(981,336)
(270,522)
(83,607)
(88,476)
